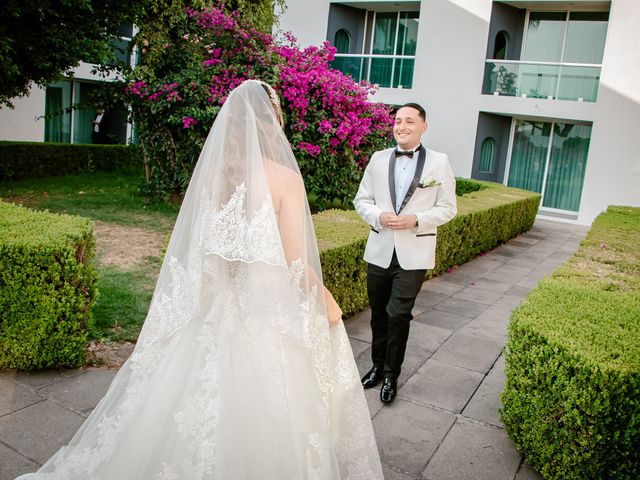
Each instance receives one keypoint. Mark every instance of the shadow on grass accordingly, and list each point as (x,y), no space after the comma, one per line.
(106,196)
(123,300)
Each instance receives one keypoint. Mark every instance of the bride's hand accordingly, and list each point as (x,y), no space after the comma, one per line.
(334,312)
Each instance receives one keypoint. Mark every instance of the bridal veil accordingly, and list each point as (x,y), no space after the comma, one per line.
(236,373)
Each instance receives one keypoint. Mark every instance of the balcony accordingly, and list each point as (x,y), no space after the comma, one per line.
(387,71)
(548,80)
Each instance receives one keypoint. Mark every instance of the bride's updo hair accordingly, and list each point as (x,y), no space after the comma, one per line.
(275,101)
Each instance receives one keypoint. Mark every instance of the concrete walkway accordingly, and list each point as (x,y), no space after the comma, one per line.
(444,424)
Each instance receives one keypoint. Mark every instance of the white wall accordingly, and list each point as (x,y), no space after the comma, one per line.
(307,19)
(452,41)
(613,166)
(24,123)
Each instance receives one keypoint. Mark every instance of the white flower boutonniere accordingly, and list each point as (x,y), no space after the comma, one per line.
(429,182)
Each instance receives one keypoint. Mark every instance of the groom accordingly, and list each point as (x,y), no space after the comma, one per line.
(405,194)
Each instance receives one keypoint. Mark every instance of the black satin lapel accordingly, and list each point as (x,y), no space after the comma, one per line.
(392,179)
(416,177)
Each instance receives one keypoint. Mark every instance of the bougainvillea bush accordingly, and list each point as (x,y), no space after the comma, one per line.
(178,88)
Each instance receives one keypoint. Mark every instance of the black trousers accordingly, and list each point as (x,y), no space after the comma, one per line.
(392,293)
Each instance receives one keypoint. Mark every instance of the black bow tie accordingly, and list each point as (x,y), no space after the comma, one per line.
(409,153)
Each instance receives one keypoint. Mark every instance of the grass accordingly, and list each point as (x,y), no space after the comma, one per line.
(104,196)
(123,300)
(573,359)
(110,197)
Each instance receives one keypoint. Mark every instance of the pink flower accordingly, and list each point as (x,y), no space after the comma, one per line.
(187,122)
(313,150)
(324,126)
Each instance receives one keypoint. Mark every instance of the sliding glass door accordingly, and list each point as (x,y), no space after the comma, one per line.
(567,165)
(83,116)
(57,110)
(550,158)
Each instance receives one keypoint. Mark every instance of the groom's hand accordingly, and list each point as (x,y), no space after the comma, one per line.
(386,217)
(401,222)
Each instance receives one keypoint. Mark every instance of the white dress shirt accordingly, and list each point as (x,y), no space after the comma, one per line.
(405,169)
(96,126)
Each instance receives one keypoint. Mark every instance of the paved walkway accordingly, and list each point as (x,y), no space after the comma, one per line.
(444,424)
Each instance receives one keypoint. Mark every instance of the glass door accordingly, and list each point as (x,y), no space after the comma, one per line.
(82,126)
(57,110)
(529,155)
(567,166)
(551,159)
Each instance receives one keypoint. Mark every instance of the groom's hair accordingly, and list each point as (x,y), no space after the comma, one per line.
(421,111)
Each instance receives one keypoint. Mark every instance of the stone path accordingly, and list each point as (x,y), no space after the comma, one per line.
(444,424)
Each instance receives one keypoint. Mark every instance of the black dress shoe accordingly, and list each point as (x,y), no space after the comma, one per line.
(389,390)
(372,377)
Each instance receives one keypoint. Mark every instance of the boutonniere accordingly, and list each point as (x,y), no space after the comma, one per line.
(429,182)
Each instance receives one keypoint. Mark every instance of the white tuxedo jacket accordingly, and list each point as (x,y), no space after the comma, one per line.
(434,205)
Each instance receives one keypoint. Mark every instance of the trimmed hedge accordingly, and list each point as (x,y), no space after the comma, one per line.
(487,217)
(572,398)
(47,286)
(36,159)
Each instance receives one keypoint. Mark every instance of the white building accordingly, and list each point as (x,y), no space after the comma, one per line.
(46,114)
(542,95)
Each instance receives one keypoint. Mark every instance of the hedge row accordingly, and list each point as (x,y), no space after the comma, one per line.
(572,397)
(45,302)
(487,217)
(47,286)
(36,159)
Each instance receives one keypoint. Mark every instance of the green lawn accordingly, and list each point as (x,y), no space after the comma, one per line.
(123,301)
(105,196)
(124,292)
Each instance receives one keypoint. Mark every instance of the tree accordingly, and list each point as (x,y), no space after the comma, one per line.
(195,57)
(260,14)
(41,39)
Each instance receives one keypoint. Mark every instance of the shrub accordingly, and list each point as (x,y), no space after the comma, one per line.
(342,236)
(486,218)
(35,159)
(185,76)
(465,185)
(572,395)
(47,286)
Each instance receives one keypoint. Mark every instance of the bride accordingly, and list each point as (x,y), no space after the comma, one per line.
(243,369)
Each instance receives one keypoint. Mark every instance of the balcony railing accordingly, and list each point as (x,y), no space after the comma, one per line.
(391,71)
(550,80)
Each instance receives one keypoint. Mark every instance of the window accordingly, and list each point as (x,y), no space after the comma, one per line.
(394,37)
(487,155)
(83,116)
(501,45)
(68,114)
(550,158)
(57,110)
(342,41)
(388,49)
(120,42)
(564,37)
(569,37)
(561,57)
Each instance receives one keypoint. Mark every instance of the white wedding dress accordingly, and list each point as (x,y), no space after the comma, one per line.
(236,374)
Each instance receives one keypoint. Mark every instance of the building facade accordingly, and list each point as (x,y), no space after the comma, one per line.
(540,95)
(61,112)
